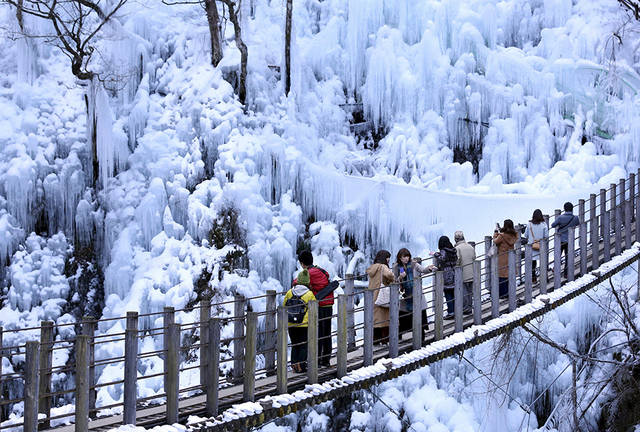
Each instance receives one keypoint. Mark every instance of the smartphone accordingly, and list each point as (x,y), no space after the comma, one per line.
(401,269)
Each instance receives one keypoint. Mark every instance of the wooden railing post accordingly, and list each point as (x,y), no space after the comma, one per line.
(205,315)
(351,330)
(613,200)
(438,305)
(619,217)
(457,300)
(394,319)
(213,369)
(606,238)
(343,347)
(557,260)
(632,191)
(488,240)
(168,319)
(130,368)
(312,344)
(82,383)
(44,391)
(637,208)
(603,210)
(581,210)
(571,257)
(528,273)
(593,220)
(250,350)
(477,294)
(544,265)
(513,299)
(3,409)
(627,225)
(582,244)
(368,328)
(238,338)
(89,330)
(281,349)
(31,386)
(495,289)
(417,310)
(172,375)
(270,333)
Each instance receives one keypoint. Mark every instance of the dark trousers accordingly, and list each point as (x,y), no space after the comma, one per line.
(406,322)
(503,287)
(298,337)
(324,334)
(380,335)
(467,296)
(449,300)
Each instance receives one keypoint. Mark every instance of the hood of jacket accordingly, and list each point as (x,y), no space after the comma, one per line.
(299,290)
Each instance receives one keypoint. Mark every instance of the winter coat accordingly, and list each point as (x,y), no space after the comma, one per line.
(319,280)
(446,260)
(466,257)
(306,296)
(562,224)
(505,243)
(535,232)
(406,283)
(379,275)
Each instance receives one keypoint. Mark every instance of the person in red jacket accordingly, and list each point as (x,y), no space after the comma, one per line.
(320,279)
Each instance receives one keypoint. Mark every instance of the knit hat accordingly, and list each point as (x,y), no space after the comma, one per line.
(303,278)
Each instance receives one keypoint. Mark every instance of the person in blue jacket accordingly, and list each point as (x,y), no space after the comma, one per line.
(562,224)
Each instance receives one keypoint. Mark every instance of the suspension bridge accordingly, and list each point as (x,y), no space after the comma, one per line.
(257,384)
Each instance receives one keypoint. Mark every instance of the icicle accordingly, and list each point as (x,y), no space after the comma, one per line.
(150,211)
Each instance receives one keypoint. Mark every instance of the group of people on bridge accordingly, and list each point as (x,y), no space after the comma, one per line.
(314,283)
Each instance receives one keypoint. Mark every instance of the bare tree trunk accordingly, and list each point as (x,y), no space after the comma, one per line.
(19,16)
(287,47)
(214,30)
(244,52)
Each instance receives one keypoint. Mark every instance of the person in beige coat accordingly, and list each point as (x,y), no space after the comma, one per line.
(466,257)
(380,275)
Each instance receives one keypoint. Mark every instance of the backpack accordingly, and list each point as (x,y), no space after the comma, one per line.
(296,309)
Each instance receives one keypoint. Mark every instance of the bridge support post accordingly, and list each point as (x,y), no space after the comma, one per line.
(582,244)
(603,210)
(495,289)
(544,265)
(342,336)
(528,273)
(312,344)
(250,348)
(213,368)
(457,300)
(513,299)
(238,337)
(281,349)
(31,378)
(417,310)
(557,260)
(394,319)
(270,333)
(130,369)
(607,237)
(89,330)
(613,206)
(368,328)
(438,305)
(205,315)
(172,375)
(351,330)
(571,257)
(83,384)
(477,294)
(46,357)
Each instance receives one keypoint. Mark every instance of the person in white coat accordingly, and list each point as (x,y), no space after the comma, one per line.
(536,230)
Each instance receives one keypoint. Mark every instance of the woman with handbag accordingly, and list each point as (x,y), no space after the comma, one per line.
(380,277)
(403,270)
(536,230)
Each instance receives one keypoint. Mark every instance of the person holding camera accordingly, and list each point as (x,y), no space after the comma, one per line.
(504,238)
